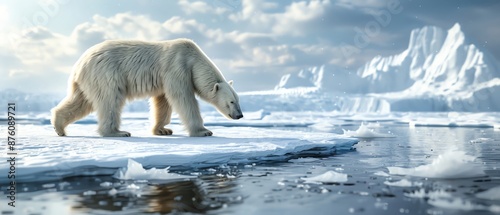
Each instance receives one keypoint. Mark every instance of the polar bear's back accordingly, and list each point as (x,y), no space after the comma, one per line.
(135,68)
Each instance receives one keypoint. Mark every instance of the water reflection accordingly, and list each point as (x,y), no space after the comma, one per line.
(199,195)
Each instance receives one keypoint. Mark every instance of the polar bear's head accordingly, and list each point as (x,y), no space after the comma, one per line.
(226,100)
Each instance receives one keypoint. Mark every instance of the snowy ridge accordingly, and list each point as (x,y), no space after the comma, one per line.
(439,71)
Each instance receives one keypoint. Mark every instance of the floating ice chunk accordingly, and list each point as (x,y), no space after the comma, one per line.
(481,140)
(491,194)
(327,177)
(450,165)
(135,171)
(381,173)
(403,183)
(112,192)
(365,132)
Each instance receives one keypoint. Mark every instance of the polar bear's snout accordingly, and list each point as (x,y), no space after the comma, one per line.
(236,113)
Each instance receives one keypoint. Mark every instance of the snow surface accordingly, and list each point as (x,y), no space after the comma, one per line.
(41,150)
(327,177)
(450,165)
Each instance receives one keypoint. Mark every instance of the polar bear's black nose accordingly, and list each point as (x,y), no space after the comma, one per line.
(239,116)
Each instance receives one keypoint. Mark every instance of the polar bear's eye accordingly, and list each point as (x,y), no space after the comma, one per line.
(232,102)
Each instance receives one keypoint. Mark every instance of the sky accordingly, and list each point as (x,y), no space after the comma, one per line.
(253,42)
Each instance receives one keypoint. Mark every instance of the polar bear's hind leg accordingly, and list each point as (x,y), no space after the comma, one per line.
(74,107)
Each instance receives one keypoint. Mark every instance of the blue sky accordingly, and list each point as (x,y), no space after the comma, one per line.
(253,42)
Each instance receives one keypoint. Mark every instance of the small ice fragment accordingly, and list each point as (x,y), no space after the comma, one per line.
(324,190)
(112,192)
(133,187)
(401,183)
(230,176)
(327,177)
(364,132)
(491,194)
(481,140)
(135,171)
(381,173)
(48,185)
(195,173)
(450,165)
(89,193)
(211,170)
(248,166)
(106,184)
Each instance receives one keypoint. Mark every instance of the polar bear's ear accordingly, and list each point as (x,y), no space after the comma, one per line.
(216,87)
(230,83)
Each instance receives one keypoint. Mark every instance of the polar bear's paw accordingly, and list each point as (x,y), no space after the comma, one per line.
(60,132)
(117,134)
(201,133)
(162,131)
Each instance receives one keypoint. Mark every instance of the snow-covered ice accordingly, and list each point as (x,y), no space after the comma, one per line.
(450,165)
(40,149)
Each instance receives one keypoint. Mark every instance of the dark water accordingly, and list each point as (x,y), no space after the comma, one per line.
(277,188)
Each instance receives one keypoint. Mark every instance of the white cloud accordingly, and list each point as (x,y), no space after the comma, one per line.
(4,16)
(300,14)
(267,45)
(200,7)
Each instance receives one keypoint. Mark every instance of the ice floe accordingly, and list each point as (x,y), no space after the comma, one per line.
(83,151)
(450,165)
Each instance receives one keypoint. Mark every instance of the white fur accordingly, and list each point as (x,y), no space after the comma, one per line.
(170,72)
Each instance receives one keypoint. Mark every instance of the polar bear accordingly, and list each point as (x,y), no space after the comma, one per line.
(171,72)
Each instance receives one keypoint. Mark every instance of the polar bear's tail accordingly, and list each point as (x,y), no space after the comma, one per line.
(74,107)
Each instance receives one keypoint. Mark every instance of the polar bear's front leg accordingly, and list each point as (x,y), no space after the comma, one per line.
(186,106)
(109,114)
(161,115)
